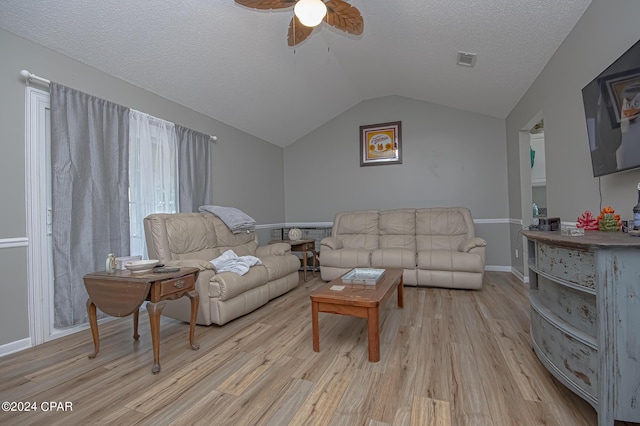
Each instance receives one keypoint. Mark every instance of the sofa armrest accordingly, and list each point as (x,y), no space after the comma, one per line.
(277,249)
(192,263)
(332,243)
(467,245)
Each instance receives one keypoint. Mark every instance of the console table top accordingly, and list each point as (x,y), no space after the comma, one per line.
(590,239)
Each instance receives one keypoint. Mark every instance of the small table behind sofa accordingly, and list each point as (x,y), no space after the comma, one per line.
(304,247)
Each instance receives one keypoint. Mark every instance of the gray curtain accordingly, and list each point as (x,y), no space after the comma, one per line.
(194,169)
(90,156)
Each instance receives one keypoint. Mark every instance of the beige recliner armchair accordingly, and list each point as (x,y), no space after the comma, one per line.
(436,247)
(193,239)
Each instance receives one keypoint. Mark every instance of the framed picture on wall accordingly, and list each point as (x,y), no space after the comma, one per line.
(381,144)
(624,91)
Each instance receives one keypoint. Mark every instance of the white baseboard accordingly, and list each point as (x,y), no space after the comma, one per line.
(519,275)
(16,346)
(497,268)
(20,345)
(514,271)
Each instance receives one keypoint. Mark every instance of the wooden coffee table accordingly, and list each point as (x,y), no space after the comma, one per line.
(357,300)
(121,293)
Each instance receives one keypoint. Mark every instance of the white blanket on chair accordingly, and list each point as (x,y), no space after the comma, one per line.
(236,220)
(229,261)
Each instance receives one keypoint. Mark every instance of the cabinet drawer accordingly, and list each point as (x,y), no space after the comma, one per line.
(573,265)
(186,283)
(575,307)
(575,360)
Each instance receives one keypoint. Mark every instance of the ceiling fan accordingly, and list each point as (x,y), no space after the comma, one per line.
(340,15)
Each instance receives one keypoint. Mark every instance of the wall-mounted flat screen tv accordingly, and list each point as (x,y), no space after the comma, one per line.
(612,109)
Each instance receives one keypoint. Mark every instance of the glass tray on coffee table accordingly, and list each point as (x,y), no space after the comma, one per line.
(367,276)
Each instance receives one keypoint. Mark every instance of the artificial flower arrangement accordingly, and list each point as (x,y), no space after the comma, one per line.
(608,220)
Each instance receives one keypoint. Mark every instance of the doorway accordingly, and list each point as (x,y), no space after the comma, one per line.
(538,171)
(533,186)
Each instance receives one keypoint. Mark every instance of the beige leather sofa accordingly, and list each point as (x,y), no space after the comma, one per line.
(436,247)
(193,239)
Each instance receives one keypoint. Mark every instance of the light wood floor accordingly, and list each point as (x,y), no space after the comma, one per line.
(448,358)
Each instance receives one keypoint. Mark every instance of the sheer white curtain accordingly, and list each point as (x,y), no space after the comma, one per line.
(153,176)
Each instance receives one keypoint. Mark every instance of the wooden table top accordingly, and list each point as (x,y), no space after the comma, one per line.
(122,275)
(293,242)
(358,294)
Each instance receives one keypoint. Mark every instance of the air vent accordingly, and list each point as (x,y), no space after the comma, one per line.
(466,59)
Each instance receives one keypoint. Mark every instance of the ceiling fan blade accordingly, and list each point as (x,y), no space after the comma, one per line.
(301,32)
(267,4)
(345,17)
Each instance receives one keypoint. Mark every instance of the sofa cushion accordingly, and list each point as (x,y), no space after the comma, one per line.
(331,243)
(245,249)
(442,228)
(189,233)
(448,260)
(470,244)
(223,311)
(275,249)
(346,257)
(394,258)
(357,229)
(204,255)
(398,229)
(192,263)
(227,285)
(449,279)
(280,266)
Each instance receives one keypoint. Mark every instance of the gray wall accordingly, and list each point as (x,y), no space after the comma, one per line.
(605,31)
(450,158)
(247,172)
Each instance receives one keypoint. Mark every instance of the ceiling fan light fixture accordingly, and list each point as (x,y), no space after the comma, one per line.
(310,12)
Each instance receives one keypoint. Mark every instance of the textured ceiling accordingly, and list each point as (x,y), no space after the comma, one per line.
(233,63)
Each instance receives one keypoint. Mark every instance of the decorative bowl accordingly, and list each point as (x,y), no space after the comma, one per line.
(294,234)
(140,266)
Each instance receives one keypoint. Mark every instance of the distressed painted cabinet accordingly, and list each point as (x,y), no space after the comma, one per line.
(585,316)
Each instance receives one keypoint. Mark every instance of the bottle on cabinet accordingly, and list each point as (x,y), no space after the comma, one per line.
(111,264)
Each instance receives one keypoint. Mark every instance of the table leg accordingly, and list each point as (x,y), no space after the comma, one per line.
(373,327)
(315,326)
(93,322)
(401,294)
(154,310)
(195,301)
(304,264)
(136,317)
(315,262)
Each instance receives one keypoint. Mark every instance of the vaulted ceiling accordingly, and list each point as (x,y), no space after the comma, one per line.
(233,63)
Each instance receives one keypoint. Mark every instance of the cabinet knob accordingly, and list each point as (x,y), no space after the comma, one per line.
(178,284)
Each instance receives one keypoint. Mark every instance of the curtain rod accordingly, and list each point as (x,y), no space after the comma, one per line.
(30,77)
